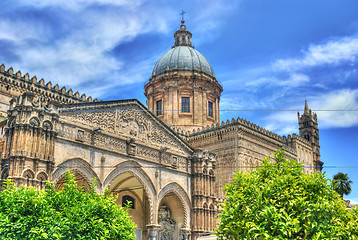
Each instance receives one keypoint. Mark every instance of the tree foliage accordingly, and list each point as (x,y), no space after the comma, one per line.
(71,213)
(342,184)
(278,201)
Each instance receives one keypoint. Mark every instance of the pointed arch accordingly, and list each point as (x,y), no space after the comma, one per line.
(77,165)
(41,175)
(28,173)
(137,171)
(183,197)
(5,173)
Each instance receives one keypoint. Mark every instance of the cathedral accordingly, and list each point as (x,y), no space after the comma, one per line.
(170,158)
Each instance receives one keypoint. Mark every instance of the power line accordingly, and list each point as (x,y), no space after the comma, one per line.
(202,110)
(173,168)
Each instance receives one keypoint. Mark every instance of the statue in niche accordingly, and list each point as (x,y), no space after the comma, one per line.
(167,225)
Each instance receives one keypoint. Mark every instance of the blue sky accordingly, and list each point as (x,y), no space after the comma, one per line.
(267,54)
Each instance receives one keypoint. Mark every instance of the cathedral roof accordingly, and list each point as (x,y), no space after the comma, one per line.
(183,56)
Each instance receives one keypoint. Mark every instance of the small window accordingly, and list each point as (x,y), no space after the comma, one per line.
(185,104)
(128,201)
(177,40)
(210,109)
(183,39)
(159,108)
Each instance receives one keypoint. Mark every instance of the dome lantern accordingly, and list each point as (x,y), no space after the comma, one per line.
(182,36)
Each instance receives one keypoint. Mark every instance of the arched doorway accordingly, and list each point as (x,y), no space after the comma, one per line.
(130,192)
(79,178)
(173,213)
(82,171)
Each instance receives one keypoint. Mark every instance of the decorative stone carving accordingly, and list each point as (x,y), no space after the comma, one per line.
(167,225)
(80,135)
(127,121)
(34,122)
(103,119)
(133,123)
(110,143)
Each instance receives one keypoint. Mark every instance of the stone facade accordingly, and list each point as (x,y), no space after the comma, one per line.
(170,160)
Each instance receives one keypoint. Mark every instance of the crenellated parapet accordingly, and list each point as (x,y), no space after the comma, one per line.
(14,84)
(235,122)
(28,155)
(291,140)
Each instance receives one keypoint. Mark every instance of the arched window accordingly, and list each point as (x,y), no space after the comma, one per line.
(5,173)
(183,39)
(128,201)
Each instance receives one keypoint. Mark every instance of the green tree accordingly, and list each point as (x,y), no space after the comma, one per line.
(343,184)
(278,201)
(71,213)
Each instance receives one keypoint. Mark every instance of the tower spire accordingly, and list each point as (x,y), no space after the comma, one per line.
(182,36)
(306,107)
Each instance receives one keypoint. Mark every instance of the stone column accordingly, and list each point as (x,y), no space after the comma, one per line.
(185,234)
(153,232)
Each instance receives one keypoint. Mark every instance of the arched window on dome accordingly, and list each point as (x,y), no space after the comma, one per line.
(183,39)
(177,40)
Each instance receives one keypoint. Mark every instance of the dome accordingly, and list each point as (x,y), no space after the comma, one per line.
(183,58)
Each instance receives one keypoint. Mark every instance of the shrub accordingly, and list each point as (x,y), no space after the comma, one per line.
(71,213)
(278,201)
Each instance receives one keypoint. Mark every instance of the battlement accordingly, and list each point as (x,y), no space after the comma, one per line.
(234,122)
(24,83)
(208,130)
(295,137)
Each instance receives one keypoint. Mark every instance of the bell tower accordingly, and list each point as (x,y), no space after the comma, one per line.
(308,127)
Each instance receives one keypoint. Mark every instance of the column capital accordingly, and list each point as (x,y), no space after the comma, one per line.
(153,230)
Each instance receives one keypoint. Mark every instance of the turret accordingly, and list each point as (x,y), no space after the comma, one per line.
(308,127)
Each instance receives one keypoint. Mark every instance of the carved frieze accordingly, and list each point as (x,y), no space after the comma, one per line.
(103,119)
(109,143)
(126,122)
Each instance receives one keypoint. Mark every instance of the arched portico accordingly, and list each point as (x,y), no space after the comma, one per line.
(82,171)
(129,182)
(174,212)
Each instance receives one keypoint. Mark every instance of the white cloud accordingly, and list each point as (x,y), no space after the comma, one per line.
(77,5)
(79,52)
(282,123)
(344,99)
(19,31)
(83,55)
(333,52)
(294,80)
